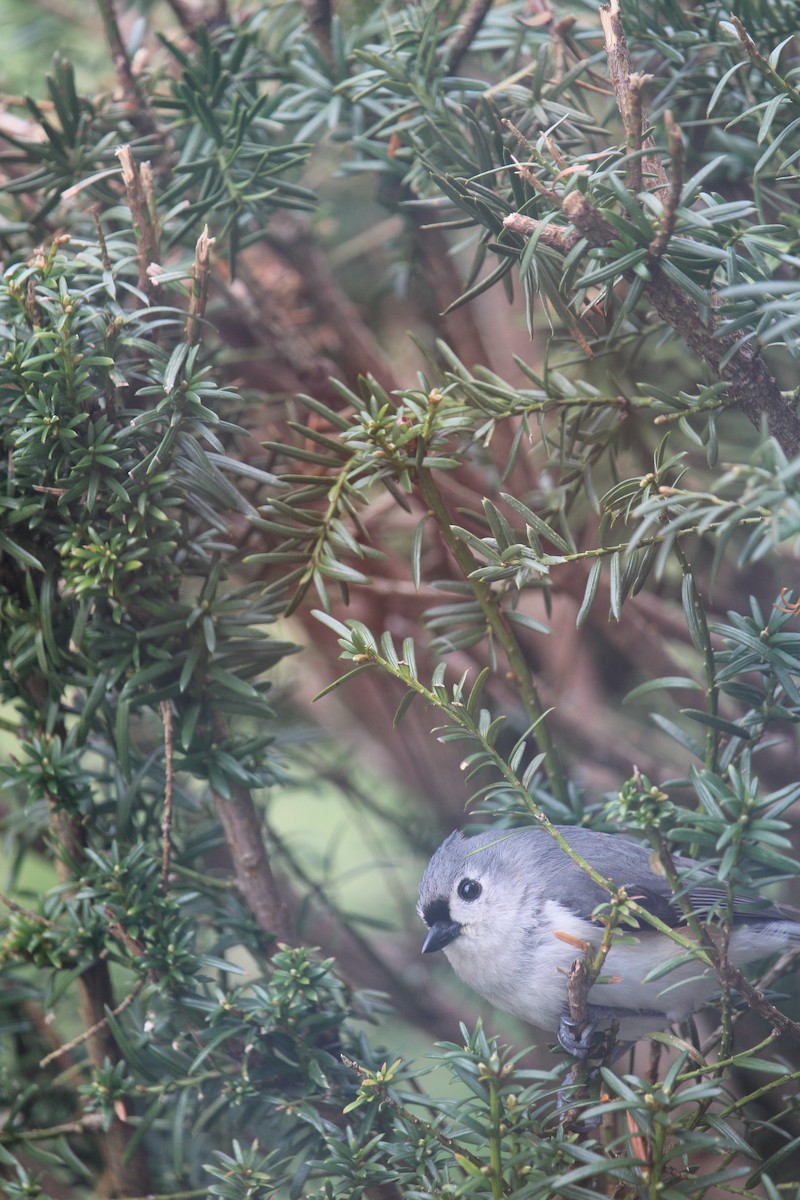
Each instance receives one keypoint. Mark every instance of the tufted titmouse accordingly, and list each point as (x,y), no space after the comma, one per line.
(496,903)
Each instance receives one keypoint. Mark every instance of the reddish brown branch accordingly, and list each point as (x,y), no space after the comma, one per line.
(201,274)
(294,240)
(95,1029)
(318,16)
(635,131)
(459,42)
(732,978)
(127,1172)
(673,196)
(166,823)
(136,96)
(750,382)
(525,172)
(626,89)
(554,236)
(138,189)
(244,836)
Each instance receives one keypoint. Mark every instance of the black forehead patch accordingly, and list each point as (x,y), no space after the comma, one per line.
(436,910)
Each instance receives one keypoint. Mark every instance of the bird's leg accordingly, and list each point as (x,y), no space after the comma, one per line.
(579,1045)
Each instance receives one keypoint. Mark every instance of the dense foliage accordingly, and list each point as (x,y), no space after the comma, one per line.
(203,436)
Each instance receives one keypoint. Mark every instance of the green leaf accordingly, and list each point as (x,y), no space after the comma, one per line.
(403,707)
(416,552)
(343,679)
(661,684)
(331,622)
(536,523)
(691,602)
(18,552)
(615,592)
(518,618)
(678,735)
(718,723)
(590,592)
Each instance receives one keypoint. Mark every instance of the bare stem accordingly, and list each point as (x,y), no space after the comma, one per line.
(318,16)
(525,172)
(141,111)
(554,236)
(89,1033)
(762,63)
(635,131)
(245,838)
(622,76)
(166,823)
(127,1171)
(137,188)
(673,196)
(460,41)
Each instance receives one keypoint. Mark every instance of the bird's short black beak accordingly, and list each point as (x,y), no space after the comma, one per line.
(440,934)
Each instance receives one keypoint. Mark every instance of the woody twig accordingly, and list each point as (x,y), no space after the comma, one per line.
(138,181)
(201,274)
(627,89)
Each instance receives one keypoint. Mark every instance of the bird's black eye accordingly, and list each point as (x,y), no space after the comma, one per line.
(469,889)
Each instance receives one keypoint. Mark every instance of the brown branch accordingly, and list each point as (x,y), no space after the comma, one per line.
(134,947)
(141,111)
(26,912)
(578,984)
(731,977)
(762,63)
(460,41)
(750,382)
(90,1033)
(579,981)
(95,212)
(554,236)
(138,189)
(525,172)
(635,131)
(201,274)
(127,1171)
(673,196)
(623,77)
(318,16)
(294,240)
(245,840)
(42,1026)
(166,823)
(786,963)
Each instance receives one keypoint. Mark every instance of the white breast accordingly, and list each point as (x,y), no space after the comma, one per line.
(523,971)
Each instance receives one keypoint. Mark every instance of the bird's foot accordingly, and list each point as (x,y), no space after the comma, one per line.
(578,1045)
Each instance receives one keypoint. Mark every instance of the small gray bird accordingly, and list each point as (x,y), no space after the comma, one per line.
(495,904)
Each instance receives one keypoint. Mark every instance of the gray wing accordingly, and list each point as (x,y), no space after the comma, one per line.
(622,862)
(627,864)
